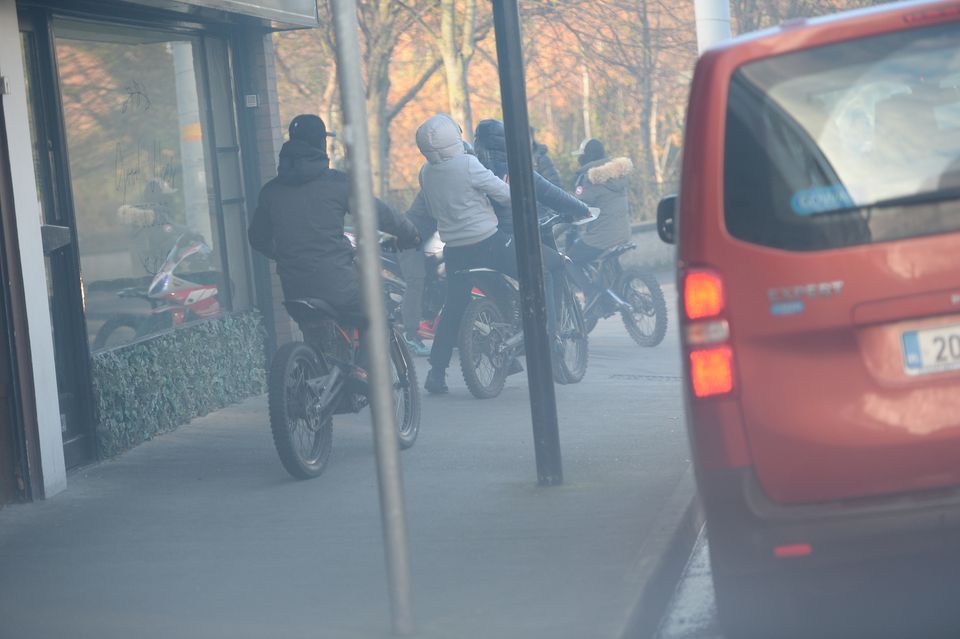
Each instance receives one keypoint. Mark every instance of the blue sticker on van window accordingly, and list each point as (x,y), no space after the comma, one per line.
(787,308)
(820,199)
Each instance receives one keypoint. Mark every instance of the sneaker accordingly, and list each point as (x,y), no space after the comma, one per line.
(358,381)
(436,383)
(416,345)
(514,367)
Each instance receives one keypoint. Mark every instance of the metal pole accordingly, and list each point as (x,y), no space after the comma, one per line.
(543,402)
(713,22)
(356,139)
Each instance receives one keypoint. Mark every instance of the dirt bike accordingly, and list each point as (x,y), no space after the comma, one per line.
(491,334)
(308,385)
(173,300)
(632,292)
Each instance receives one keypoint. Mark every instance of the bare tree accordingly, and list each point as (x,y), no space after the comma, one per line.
(645,46)
(305,61)
(455,42)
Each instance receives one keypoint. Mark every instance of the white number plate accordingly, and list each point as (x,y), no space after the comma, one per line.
(932,350)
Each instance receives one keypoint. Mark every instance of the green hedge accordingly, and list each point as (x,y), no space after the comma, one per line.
(154,386)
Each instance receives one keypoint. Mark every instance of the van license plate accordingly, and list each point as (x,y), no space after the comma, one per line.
(932,350)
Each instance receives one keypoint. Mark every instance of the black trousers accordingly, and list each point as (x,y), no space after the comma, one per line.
(352,315)
(582,255)
(496,252)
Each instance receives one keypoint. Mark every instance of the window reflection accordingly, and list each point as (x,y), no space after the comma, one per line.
(139,172)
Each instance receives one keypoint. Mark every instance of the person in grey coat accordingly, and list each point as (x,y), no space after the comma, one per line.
(603,183)
(457,192)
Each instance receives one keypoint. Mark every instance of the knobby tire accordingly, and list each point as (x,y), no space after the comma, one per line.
(288,398)
(655,306)
(474,346)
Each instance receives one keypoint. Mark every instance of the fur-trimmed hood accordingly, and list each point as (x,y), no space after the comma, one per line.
(603,184)
(605,170)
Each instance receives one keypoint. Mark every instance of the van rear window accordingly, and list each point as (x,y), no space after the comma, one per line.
(846,144)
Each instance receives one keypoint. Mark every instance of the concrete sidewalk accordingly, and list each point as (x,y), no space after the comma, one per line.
(200,533)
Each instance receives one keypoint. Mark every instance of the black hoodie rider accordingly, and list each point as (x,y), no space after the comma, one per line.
(299,222)
(490,145)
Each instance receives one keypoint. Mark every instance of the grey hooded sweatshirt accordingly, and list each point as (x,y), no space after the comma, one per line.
(457,189)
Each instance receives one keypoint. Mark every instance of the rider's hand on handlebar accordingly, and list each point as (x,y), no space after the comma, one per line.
(411,242)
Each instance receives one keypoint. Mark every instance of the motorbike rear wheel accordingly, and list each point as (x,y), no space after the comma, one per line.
(647,324)
(482,362)
(303,440)
(570,364)
(406,392)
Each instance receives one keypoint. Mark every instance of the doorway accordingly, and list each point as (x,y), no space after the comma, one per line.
(64,284)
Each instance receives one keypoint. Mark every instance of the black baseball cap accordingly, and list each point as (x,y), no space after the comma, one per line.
(310,129)
(590,150)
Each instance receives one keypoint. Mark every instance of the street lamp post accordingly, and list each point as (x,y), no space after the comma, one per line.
(543,402)
(363,208)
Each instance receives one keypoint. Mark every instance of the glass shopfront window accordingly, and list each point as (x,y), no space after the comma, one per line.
(142,176)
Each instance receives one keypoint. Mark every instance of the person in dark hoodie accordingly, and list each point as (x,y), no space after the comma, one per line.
(602,183)
(299,223)
(490,145)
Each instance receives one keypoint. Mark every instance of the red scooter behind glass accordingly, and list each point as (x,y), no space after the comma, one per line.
(173,300)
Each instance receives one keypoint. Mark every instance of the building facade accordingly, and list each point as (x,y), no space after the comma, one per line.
(135,137)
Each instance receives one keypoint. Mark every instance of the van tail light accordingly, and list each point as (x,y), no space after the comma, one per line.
(715,419)
(702,294)
(706,333)
(711,371)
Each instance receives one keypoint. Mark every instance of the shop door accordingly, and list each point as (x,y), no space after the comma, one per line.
(64,284)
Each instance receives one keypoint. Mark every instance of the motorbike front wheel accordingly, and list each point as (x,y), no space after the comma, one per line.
(119,329)
(482,360)
(570,359)
(647,323)
(302,438)
(125,328)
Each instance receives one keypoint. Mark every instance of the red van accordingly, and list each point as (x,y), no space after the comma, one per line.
(818,247)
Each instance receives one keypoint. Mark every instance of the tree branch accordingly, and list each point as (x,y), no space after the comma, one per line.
(412,92)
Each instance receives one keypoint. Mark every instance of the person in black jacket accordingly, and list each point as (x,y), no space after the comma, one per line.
(299,223)
(490,145)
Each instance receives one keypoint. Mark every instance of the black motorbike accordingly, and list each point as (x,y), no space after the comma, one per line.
(491,334)
(631,291)
(309,382)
